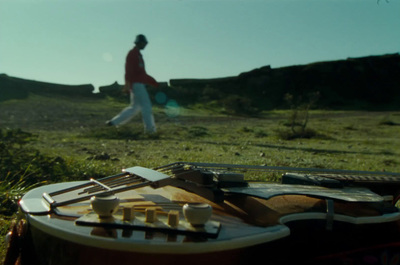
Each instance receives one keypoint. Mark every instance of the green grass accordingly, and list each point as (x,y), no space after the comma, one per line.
(76,132)
(72,132)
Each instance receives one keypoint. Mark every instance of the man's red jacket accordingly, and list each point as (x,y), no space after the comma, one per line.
(135,71)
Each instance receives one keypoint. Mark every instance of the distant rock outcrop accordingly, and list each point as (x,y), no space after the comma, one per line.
(12,87)
(113,90)
(366,82)
(371,82)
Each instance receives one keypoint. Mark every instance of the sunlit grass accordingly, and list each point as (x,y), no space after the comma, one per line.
(73,134)
(12,188)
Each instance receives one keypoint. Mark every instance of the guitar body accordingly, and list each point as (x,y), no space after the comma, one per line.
(274,223)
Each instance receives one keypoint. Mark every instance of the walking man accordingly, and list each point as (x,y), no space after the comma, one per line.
(136,80)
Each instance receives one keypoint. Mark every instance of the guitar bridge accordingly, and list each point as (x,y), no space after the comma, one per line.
(131,178)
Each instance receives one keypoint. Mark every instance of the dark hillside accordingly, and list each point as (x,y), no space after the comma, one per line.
(371,82)
(368,82)
(12,87)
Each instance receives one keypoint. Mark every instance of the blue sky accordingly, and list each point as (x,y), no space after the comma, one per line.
(86,41)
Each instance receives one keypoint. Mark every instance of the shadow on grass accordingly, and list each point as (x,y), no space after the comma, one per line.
(311,150)
(115,133)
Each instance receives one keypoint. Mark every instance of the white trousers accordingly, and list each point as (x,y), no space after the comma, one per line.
(140,101)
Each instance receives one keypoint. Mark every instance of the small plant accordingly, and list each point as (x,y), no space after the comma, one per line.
(22,168)
(118,133)
(299,116)
(197,131)
(387,121)
(260,133)
(237,105)
(12,189)
(290,135)
(246,129)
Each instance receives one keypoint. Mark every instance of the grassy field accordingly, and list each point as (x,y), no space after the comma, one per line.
(75,129)
(72,130)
